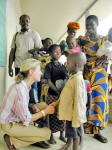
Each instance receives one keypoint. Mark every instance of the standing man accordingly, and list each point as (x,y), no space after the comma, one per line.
(23,41)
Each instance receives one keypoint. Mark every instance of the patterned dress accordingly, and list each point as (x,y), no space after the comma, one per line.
(99,84)
(55,72)
(44,87)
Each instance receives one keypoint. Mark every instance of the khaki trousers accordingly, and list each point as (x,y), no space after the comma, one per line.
(22,135)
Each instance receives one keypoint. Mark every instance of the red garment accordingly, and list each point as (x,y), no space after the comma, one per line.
(89,88)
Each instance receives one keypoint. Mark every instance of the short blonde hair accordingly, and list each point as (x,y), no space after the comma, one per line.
(26,65)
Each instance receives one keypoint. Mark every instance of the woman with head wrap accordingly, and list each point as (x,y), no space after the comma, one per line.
(15,118)
(72,28)
(98,78)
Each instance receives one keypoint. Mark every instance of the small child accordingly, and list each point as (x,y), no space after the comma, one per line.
(72,102)
(73,46)
(55,73)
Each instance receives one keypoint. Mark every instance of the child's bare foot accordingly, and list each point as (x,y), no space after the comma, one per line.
(52,140)
(62,136)
(68,145)
(62,139)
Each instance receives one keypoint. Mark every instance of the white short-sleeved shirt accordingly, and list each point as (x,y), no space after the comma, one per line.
(24,42)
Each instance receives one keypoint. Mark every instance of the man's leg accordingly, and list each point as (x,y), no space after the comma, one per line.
(17,70)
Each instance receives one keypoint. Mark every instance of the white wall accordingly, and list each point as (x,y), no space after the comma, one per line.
(13,11)
(50,17)
(102,9)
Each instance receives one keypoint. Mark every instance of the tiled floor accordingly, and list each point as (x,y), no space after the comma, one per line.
(89,144)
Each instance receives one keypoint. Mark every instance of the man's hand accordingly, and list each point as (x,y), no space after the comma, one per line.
(10,72)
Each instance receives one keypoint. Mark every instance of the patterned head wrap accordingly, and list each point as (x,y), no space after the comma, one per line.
(73,25)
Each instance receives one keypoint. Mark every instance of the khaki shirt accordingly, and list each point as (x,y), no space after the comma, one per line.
(72,100)
(24,42)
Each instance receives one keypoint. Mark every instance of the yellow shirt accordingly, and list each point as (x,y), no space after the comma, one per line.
(72,100)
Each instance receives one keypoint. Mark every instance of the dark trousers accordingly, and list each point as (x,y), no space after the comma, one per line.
(72,132)
(17,70)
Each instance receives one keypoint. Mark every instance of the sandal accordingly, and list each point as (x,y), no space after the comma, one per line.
(8,142)
(100,138)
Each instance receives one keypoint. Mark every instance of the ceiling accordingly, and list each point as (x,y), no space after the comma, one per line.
(50,17)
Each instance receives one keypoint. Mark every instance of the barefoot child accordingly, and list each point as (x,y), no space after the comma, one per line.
(56,74)
(72,101)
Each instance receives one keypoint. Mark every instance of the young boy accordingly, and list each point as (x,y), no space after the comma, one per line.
(72,101)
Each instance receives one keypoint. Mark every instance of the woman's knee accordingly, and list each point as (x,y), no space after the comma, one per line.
(47,133)
(6,128)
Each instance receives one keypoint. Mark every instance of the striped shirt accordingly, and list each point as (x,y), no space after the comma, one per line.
(14,107)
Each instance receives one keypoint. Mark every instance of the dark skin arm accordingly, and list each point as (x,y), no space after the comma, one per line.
(11,55)
(89,97)
(33,51)
(55,103)
(52,86)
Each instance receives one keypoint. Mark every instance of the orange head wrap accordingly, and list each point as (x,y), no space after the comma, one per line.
(73,25)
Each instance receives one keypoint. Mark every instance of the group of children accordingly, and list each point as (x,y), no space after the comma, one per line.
(68,89)
(58,76)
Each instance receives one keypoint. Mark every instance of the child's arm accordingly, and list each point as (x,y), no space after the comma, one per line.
(48,76)
(89,104)
(55,103)
(89,100)
(52,86)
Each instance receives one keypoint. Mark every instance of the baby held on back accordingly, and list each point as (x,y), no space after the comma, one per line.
(73,46)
